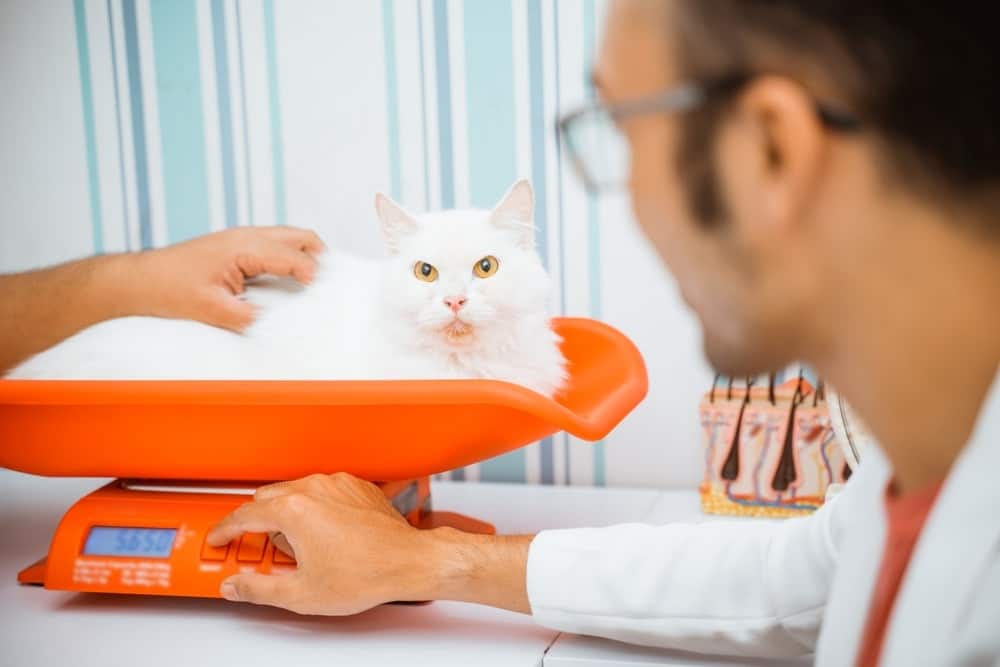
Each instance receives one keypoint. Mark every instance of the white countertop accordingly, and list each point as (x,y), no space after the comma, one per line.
(40,627)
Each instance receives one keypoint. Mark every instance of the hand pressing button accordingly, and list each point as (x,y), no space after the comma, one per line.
(251,549)
(208,552)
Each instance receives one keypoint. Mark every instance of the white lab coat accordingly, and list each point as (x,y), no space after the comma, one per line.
(790,588)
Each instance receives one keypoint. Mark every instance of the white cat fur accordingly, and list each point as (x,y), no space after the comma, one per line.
(359,318)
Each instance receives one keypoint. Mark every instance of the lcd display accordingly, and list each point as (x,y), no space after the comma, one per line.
(119,541)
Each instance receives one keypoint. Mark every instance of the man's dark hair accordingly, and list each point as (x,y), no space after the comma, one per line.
(919,75)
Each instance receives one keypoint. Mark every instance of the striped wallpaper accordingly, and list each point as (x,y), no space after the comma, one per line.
(144,122)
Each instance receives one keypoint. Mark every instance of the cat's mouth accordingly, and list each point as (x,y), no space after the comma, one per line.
(457,330)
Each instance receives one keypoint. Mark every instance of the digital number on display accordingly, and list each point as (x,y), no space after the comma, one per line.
(141,542)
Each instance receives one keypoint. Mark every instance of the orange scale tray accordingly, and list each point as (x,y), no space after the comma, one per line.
(273,430)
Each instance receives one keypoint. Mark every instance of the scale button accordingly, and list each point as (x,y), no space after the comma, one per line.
(209,552)
(251,549)
(281,557)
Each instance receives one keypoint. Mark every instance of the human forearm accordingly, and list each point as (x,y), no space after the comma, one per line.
(741,588)
(485,569)
(40,308)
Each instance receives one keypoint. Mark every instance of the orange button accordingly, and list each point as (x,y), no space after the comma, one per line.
(209,552)
(251,549)
(281,557)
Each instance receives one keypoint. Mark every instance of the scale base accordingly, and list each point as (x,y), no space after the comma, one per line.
(34,574)
(189,568)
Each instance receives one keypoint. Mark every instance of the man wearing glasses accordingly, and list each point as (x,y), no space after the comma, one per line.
(823,179)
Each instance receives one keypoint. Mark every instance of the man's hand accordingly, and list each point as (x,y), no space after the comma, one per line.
(201,278)
(355,551)
(197,279)
(345,536)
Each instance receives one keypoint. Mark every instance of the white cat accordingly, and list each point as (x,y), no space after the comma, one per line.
(461,294)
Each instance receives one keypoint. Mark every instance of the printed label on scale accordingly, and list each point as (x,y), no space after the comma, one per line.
(145,574)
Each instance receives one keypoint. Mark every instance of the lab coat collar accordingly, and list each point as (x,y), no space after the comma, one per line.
(947,560)
(956,546)
(857,562)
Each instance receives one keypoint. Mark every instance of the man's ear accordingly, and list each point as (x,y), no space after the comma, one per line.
(396,223)
(789,144)
(516,212)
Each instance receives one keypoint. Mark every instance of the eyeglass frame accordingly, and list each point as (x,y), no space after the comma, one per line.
(681,98)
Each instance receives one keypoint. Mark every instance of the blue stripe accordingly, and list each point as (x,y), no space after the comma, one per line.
(391,97)
(94,181)
(277,147)
(118,125)
(182,134)
(593,229)
(138,123)
(443,72)
(246,127)
(559,180)
(423,104)
(559,209)
(489,85)
(536,72)
(221,50)
(594,260)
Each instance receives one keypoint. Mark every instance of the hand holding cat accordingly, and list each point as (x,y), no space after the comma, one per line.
(201,278)
(197,279)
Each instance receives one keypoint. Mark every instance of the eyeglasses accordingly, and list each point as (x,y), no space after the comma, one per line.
(599,152)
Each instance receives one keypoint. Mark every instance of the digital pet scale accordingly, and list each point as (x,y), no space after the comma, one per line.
(182,451)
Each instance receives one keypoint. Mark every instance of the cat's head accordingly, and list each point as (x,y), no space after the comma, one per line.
(463,277)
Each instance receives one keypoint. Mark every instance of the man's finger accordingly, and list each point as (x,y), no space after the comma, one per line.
(278,260)
(281,543)
(234,279)
(253,517)
(256,588)
(274,490)
(233,313)
(315,484)
(300,239)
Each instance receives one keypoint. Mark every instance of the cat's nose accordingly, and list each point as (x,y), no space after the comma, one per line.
(455,302)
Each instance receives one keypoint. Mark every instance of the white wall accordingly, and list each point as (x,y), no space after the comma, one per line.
(295,112)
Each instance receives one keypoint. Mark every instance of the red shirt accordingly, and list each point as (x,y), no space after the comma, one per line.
(906,514)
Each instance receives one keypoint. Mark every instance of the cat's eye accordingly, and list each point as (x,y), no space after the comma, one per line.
(426,272)
(486,267)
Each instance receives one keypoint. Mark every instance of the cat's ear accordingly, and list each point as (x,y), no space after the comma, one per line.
(516,212)
(396,222)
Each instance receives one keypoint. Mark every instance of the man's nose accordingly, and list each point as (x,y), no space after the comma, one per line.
(455,302)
